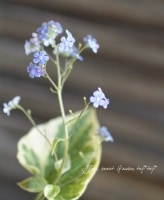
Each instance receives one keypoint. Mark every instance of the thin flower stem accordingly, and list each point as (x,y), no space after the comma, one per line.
(69,65)
(66,74)
(76,119)
(33,122)
(35,126)
(51,81)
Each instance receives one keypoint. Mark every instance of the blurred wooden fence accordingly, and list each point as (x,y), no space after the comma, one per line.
(130,69)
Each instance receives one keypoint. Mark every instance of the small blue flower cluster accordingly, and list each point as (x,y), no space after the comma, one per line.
(45,36)
(99,99)
(92,43)
(66,44)
(104,134)
(36,68)
(12,104)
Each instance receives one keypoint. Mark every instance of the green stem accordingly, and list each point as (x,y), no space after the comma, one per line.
(69,65)
(65,130)
(51,81)
(61,80)
(61,105)
(33,122)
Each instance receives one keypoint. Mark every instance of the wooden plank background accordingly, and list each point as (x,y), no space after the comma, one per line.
(130,69)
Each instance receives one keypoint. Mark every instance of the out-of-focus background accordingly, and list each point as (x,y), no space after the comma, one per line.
(129,67)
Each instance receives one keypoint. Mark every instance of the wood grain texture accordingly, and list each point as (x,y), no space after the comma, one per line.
(130,69)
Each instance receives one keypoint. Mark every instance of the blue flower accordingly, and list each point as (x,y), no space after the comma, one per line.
(35,71)
(48,32)
(7,107)
(105,135)
(42,31)
(99,99)
(66,43)
(40,58)
(32,45)
(55,27)
(92,43)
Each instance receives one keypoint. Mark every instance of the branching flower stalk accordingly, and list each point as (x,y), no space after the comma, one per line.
(45,36)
